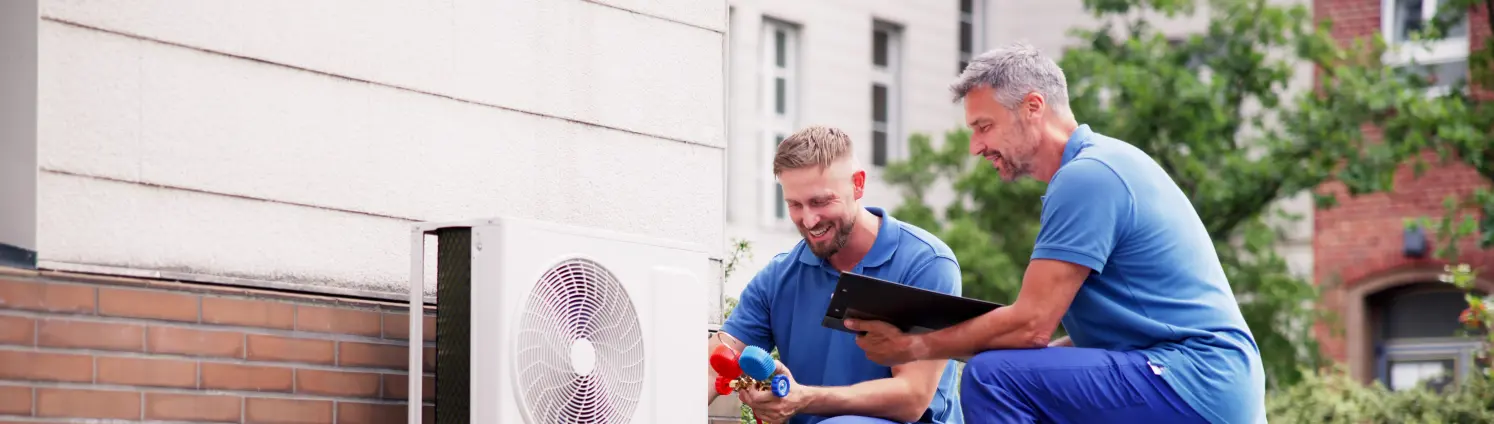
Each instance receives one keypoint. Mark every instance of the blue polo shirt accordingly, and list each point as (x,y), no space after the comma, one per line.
(783,304)
(1157,287)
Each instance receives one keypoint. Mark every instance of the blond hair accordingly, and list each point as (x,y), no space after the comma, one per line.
(815,146)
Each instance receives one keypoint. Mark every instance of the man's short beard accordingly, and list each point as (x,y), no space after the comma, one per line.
(842,236)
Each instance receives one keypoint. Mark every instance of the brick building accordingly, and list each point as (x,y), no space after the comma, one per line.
(1398,320)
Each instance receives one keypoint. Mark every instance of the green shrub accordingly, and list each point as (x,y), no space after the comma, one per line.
(1332,397)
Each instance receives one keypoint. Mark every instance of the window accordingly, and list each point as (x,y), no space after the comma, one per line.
(1418,338)
(1444,61)
(972,30)
(780,93)
(886,70)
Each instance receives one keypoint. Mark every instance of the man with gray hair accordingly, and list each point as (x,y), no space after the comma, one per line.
(1122,260)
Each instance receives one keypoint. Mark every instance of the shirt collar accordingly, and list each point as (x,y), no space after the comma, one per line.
(1077,142)
(881,250)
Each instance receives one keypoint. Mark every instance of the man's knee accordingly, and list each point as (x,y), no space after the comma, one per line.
(984,374)
(855,419)
(989,365)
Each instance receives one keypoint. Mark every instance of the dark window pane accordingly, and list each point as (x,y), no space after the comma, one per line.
(1408,15)
(967,6)
(879,48)
(1420,314)
(879,148)
(1459,30)
(963,64)
(780,41)
(780,95)
(967,37)
(781,209)
(1445,74)
(879,103)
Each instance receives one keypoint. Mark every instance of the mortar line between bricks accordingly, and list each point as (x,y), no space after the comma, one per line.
(143,390)
(55,420)
(205,359)
(218,290)
(299,334)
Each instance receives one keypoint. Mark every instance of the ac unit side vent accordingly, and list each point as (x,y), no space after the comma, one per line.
(454,325)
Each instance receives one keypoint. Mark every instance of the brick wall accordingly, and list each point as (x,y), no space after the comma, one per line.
(1362,236)
(74,347)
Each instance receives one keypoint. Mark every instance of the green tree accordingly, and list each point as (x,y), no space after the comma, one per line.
(1216,110)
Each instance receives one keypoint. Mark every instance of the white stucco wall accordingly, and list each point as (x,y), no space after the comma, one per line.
(835,73)
(295,142)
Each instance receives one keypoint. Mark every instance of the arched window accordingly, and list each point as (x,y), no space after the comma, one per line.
(1417,336)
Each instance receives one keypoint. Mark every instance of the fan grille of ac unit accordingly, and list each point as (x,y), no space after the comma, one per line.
(579,300)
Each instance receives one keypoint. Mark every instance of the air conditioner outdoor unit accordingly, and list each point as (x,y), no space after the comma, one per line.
(542,323)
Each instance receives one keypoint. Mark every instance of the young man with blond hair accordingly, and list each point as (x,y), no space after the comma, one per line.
(832,382)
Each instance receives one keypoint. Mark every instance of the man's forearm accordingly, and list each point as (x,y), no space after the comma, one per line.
(889,398)
(1002,328)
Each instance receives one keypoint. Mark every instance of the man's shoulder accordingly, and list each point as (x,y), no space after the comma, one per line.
(1109,156)
(780,263)
(919,243)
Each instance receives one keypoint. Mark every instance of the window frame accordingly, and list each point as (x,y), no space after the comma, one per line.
(1459,350)
(890,77)
(1427,54)
(775,124)
(977,20)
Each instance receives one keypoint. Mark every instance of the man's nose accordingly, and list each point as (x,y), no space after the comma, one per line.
(811,221)
(976,147)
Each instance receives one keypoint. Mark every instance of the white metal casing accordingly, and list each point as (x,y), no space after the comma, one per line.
(664,280)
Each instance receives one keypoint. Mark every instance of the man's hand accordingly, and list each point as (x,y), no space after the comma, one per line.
(773,409)
(886,345)
(717,339)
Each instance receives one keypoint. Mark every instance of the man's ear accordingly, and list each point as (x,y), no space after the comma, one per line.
(1033,104)
(858,180)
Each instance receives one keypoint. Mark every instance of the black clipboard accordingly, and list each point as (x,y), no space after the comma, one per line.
(911,309)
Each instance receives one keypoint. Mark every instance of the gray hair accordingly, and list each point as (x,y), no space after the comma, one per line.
(1013,71)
